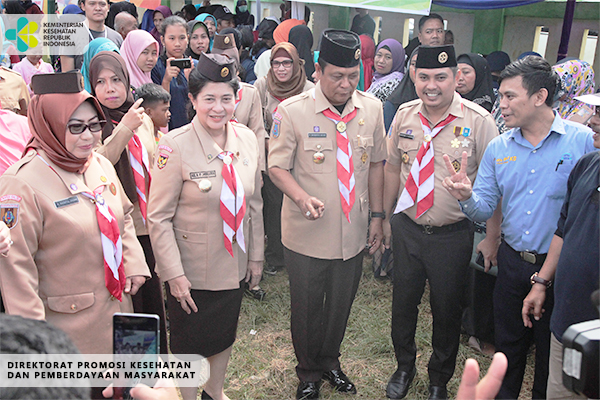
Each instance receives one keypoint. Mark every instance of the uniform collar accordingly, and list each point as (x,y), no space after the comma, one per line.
(558,126)
(456,108)
(321,102)
(94,176)
(211,149)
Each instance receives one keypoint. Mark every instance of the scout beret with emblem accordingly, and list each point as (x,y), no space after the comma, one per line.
(340,48)
(225,44)
(216,67)
(61,82)
(431,57)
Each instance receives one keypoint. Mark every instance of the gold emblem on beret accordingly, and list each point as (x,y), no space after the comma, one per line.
(226,40)
(357,54)
(224,72)
(443,57)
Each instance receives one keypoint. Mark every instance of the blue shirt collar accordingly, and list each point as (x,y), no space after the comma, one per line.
(558,126)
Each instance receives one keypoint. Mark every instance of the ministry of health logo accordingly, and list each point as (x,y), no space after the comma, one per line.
(24,35)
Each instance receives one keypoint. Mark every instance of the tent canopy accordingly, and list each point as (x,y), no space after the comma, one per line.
(483,4)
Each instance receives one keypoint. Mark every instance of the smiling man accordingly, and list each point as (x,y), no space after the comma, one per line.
(432,239)
(527,169)
(326,155)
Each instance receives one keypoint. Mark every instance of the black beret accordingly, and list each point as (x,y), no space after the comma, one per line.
(61,82)
(340,48)
(431,57)
(216,67)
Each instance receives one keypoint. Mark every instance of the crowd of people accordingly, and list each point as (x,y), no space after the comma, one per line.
(195,150)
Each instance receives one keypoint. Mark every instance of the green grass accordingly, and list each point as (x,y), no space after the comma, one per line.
(262,365)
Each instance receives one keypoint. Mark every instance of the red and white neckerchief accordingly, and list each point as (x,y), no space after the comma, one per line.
(422,171)
(233,204)
(112,245)
(237,101)
(140,164)
(345,165)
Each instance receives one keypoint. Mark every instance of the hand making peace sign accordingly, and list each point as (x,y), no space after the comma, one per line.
(458,183)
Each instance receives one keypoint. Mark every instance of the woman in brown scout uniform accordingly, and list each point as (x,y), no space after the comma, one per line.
(75,260)
(286,78)
(205,221)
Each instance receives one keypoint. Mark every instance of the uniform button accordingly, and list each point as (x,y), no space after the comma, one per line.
(527,232)
(535,151)
(185,236)
(528,212)
(533,171)
(531,192)
(73,307)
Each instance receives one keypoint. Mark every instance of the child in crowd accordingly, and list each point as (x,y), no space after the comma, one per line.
(32,65)
(156,104)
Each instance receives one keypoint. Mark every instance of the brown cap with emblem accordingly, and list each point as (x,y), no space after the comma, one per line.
(431,57)
(225,44)
(340,48)
(62,82)
(216,67)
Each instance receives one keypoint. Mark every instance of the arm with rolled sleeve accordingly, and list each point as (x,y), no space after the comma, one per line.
(162,205)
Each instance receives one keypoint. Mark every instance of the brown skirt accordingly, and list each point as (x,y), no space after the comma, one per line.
(209,331)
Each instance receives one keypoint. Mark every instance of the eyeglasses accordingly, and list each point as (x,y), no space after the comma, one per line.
(77,129)
(285,63)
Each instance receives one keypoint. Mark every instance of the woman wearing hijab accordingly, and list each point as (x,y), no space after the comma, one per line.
(206,227)
(578,79)
(140,52)
(147,21)
(211,23)
(158,16)
(93,48)
(405,92)
(282,32)
(301,37)
(286,78)
(242,15)
(199,41)
(367,55)
(474,81)
(389,69)
(59,200)
(128,141)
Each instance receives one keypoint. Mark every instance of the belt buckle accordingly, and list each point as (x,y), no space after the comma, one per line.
(528,257)
(427,229)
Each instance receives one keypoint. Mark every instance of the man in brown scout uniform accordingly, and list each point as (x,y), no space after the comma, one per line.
(326,155)
(431,238)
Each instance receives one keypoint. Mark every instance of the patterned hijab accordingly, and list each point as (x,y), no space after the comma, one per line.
(578,79)
(295,85)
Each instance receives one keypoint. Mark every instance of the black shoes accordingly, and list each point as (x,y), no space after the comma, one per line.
(205,396)
(399,383)
(340,382)
(307,390)
(438,392)
(256,293)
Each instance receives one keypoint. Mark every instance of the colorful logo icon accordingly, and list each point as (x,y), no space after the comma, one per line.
(24,34)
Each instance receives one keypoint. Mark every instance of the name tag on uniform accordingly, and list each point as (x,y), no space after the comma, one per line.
(317,135)
(408,135)
(203,174)
(66,202)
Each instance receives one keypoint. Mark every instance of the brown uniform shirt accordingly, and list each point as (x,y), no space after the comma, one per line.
(55,268)
(185,224)
(406,137)
(12,89)
(299,131)
(114,145)
(248,112)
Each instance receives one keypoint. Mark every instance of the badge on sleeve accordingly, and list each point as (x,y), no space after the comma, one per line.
(9,214)
(275,129)
(161,161)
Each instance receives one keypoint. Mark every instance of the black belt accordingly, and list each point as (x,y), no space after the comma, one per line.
(461,225)
(530,257)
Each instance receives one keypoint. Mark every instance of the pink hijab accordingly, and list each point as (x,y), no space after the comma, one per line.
(133,45)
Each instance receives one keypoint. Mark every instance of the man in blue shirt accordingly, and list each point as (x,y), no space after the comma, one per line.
(526,169)
(572,259)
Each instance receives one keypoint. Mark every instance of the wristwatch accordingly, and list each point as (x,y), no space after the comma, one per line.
(536,279)
(378,214)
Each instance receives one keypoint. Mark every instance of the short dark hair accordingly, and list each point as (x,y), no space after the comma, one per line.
(196,83)
(426,18)
(152,94)
(20,335)
(172,21)
(536,74)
